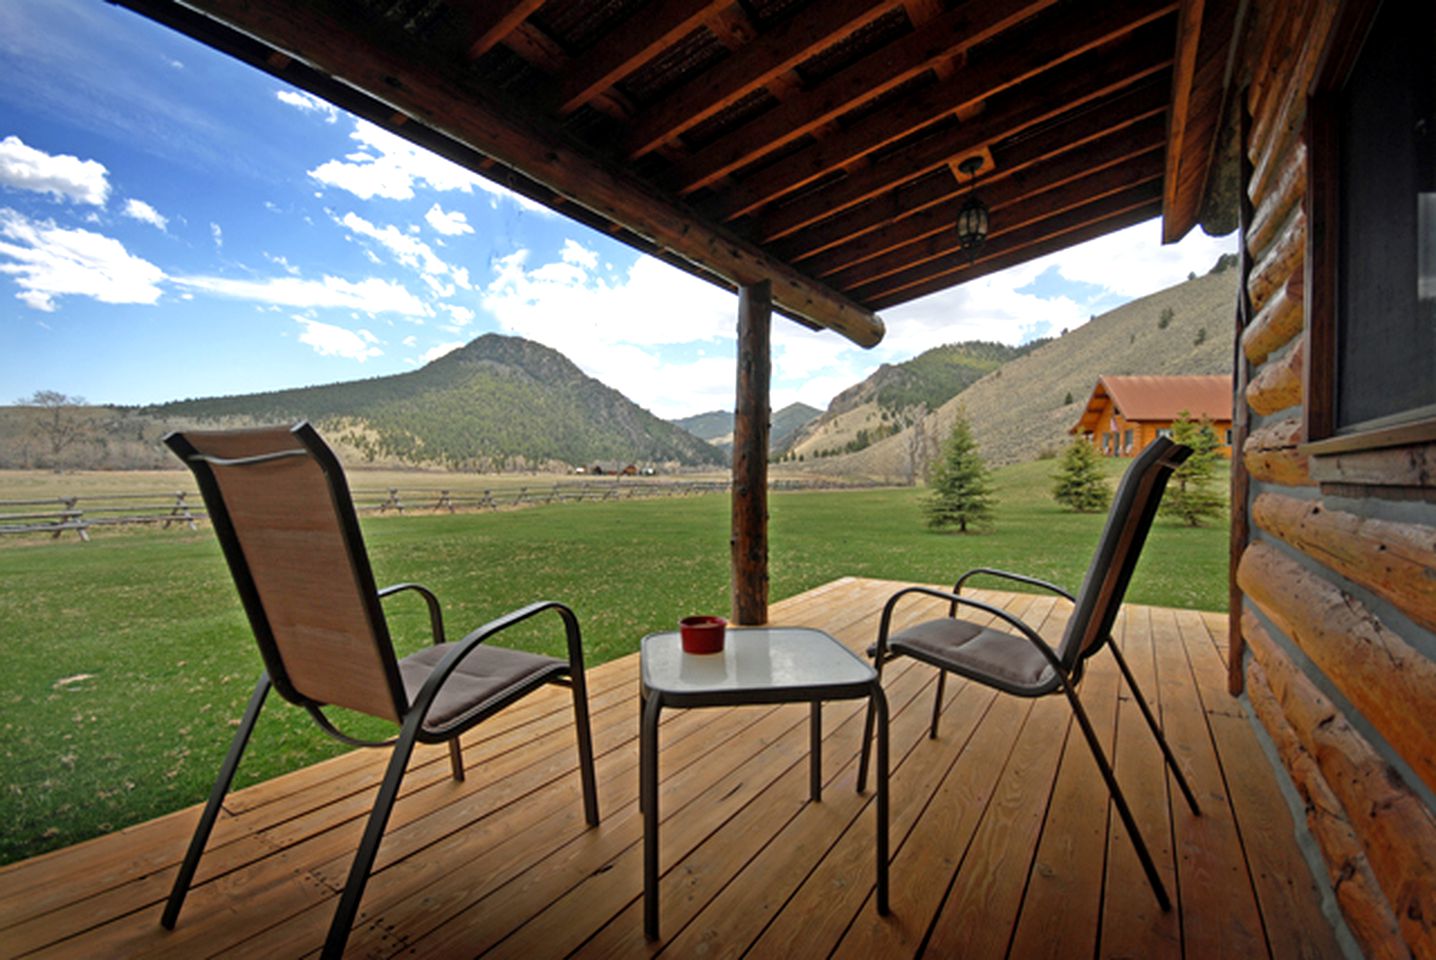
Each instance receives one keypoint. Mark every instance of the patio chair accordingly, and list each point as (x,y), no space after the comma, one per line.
(282,510)
(1022,663)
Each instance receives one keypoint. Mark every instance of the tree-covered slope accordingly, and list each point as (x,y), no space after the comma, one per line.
(497,402)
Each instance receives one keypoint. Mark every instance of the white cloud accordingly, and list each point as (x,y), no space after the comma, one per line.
(371,296)
(331,341)
(390,167)
(413,253)
(309,103)
(143,212)
(218,234)
(62,176)
(434,353)
(410,340)
(462,316)
(51,261)
(451,224)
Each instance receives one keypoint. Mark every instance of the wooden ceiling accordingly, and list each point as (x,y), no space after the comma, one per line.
(813,143)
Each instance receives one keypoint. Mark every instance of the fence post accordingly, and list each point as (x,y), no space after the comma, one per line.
(180,511)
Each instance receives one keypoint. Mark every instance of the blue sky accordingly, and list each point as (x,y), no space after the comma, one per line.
(176,224)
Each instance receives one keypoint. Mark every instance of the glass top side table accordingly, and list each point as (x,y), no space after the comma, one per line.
(757,665)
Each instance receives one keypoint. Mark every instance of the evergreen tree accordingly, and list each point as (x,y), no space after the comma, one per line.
(1080,485)
(961,492)
(1191,494)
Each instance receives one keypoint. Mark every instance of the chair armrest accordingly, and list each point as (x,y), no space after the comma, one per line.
(1017,577)
(954,599)
(436,617)
(466,646)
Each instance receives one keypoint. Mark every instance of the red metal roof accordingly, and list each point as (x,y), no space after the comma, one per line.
(1141,399)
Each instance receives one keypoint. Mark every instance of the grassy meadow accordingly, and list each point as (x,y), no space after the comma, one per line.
(130,659)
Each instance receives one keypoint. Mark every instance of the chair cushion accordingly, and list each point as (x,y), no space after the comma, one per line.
(482,682)
(1003,660)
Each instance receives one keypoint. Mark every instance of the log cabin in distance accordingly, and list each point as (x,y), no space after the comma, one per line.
(829,159)
(1125,414)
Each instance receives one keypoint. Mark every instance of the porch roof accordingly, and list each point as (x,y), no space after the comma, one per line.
(1001,835)
(813,143)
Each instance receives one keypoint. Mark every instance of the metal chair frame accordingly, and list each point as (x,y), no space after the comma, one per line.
(411,714)
(1119,544)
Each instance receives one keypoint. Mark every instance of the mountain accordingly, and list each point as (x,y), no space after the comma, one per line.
(716,426)
(497,403)
(889,399)
(1022,409)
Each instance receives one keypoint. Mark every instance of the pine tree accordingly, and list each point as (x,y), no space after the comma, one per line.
(961,492)
(1192,495)
(1079,482)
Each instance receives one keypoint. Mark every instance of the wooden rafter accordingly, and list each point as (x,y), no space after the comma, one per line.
(1081,81)
(1105,130)
(771,54)
(1078,32)
(646,35)
(490,21)
(1042,227)
(873,75)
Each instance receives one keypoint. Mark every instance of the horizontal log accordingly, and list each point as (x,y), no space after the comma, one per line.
(1281,260)
(1275,207)
(1282,318)
(1395,561)
(1279,123)
(1395,466)
(1271,454)
(1281,27)
(1390,682)
(1278,385)
(1395,828)
(1363,903)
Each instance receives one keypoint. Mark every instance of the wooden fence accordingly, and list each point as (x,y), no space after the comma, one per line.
(58,515)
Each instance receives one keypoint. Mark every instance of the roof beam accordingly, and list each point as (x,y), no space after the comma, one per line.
(1072,166)
(640,39)
(1077,31)
(769,55)
(492,20)
(1084,80)
(888,211)
(1001,261)
(444,99)
(873,75)
(1010,214)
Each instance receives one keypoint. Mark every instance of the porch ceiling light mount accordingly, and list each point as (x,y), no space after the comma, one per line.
(972,218)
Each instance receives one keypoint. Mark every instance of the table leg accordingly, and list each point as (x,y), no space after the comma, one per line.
(815,753)
(648,799)
(880,704)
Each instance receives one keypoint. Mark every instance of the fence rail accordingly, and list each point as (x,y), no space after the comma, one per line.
(82,514)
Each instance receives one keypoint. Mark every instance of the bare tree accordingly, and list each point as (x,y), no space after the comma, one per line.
(60,424)
(919,449)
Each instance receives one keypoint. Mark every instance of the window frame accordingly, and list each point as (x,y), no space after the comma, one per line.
(1323,250)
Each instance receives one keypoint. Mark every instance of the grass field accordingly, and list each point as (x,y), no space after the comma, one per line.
(129,657)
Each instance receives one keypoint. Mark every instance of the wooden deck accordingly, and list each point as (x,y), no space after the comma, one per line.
(1003,840)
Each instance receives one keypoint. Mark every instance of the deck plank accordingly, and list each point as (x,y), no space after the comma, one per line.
(1003,839)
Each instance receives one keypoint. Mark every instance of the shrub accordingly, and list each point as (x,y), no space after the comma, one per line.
(1079,483)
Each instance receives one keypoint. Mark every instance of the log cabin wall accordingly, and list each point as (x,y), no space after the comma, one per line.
(1335,553)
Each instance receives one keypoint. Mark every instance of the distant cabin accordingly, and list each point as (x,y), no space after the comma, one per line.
(1125,414)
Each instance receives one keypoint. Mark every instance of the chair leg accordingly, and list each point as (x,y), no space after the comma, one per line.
(868,732)
(211,809)
(1125,812)
(937,702)
(585,748)
(348,907)
(456,758)
(1156,730)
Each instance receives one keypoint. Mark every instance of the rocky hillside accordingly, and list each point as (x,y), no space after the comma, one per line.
(1022,410)
(716,427)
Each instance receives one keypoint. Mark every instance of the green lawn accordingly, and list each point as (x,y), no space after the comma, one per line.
(130,659)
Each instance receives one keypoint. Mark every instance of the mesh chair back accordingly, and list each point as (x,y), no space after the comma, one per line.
(1105,584)
(282,511)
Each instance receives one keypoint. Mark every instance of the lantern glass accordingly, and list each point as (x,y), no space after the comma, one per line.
(972,223)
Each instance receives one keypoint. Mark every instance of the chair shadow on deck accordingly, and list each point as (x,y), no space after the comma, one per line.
(1021,662)
(284,516)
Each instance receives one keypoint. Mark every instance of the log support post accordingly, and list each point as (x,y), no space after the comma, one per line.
(750,455)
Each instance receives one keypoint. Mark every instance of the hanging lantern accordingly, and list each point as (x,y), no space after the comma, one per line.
(972,218)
